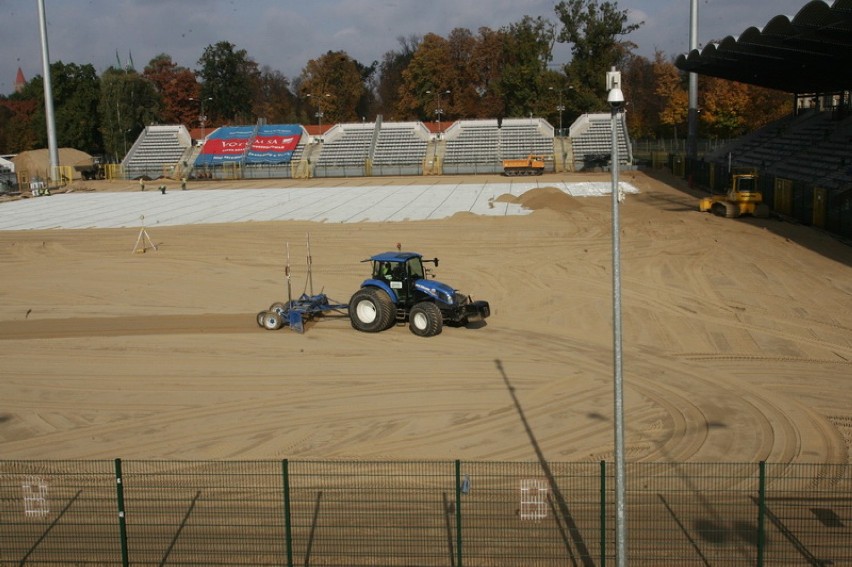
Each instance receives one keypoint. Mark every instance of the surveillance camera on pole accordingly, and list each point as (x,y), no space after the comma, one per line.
(615,98)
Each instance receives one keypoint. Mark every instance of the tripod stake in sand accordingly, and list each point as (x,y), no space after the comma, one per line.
(143,241)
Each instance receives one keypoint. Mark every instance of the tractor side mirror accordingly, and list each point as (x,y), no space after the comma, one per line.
(436,262)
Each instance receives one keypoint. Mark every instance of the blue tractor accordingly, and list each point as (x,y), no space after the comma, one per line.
(399,291)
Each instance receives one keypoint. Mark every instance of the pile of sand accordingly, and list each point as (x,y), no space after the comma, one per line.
(35,164)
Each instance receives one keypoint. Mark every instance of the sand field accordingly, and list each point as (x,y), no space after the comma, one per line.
(737,339)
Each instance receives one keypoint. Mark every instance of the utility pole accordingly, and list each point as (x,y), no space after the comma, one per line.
(692,134)
(615,98)
(52,146)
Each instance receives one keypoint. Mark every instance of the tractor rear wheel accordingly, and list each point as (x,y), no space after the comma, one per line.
(425,319)
(272,320)
(371,310)
(260,317)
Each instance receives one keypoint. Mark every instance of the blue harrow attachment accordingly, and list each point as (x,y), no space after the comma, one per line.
(294,313)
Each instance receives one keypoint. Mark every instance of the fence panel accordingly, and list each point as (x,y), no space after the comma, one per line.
(58,513)
(204,513)
(528,514)
(808,515)
(372,513)
(457,514)
(692,514)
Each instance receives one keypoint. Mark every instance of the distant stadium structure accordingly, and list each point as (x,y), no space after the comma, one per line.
(804,161)
(366,149)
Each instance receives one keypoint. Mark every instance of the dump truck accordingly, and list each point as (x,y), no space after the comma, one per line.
(530,165)
(743,198)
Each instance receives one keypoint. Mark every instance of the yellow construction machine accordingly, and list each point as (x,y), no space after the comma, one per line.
(530,165)
(743,198)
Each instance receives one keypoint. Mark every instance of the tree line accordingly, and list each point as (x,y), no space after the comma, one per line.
(488,73)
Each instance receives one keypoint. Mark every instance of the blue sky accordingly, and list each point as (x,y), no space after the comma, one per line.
(284,34)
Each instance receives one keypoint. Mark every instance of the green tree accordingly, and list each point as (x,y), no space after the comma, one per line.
(128,103)
(527,50)
(273,99)
(76,91)
(178,88)
(368,103)
(229,81)
(594,29)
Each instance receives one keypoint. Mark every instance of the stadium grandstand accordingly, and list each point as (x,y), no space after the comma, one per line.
(158,151)
(376,149)
(804,160)
(591,141)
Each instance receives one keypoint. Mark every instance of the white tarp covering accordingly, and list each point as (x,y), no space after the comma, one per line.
(379,203)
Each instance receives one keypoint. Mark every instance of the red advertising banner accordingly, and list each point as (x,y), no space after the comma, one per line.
(229,147)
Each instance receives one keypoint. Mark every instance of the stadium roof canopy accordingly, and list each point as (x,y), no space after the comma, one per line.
(810,53)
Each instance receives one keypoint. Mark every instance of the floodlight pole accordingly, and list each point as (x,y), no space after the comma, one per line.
(616,100)
(52,146)
(692,117)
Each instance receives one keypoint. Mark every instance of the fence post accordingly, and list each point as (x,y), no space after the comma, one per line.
(288,528)
(603,513)
(458,515)
(122,520)
(761,513)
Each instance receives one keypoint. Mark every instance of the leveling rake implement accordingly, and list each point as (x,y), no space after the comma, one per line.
(296,312)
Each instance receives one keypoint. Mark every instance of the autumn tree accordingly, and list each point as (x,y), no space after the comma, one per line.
(16,124)
(730,109)
(178,88)
(672,93)
(229,79)
(390,79)
(426,79)
(334,83)
(595,31)
(487,63)
(767,105)
(640,90)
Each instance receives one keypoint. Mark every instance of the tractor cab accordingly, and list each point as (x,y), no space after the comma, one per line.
(400,271)
(744,183)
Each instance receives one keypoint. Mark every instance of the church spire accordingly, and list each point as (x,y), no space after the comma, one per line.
(20,81)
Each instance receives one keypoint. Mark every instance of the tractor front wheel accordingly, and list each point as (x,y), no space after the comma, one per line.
(371,310)
(425,319)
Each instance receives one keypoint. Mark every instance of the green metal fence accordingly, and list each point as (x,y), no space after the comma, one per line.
(457,514)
